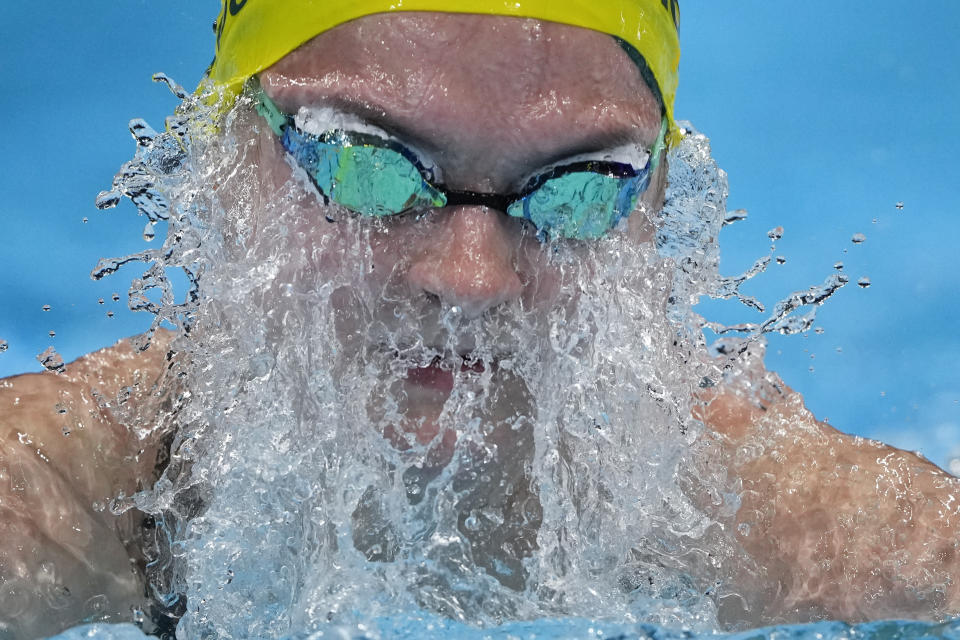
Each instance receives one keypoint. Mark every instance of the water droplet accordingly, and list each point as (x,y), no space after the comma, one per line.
(175,88)
(96,605)
(883,394)
(776,233)
(85,220)
(51,360)
(109,314)
(53,334)
(819,331)
(781,260)
(900,206)
(3,346)
(864,282)
(148,231)
(811,369)
(839,349)
(838,266)
(735,216)
(858,238)
(108,199)
(100,301)
(142,132)
(875,220)
(66,431)
(46,307)
(115,297)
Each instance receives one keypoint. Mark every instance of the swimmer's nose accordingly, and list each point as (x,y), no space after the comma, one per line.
(469,262)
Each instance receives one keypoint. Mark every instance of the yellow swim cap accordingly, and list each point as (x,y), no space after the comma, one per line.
(254,34)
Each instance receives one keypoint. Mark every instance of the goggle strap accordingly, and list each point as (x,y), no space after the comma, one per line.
(277,120)
(496,201)
(658,146)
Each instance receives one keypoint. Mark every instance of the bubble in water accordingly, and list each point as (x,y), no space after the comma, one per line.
(149,233)
(46,307)
(110,314)
(863,282)
(875,221)
(66,431)
(115,297)
(954,466)
(900,206)
(838,266)
(819,331)
(775,234)
(3,346)
(52,333)
(100,301)
(85,220)
(781,260)
(858,238)
(51,360)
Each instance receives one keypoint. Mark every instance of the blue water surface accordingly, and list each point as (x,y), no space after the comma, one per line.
(425,627)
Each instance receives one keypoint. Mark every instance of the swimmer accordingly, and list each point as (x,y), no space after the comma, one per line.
(463,144)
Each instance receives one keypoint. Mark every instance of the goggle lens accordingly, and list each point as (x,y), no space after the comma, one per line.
(578,205)
(369,180)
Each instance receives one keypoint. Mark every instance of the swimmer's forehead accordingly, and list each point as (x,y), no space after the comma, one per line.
(553,87)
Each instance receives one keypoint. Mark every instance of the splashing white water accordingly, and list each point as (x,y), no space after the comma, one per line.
(562,474)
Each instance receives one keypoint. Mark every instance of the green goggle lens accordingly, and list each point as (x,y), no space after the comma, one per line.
(579,204)
(374,181)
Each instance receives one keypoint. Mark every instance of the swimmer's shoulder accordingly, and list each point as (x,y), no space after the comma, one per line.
(93,421)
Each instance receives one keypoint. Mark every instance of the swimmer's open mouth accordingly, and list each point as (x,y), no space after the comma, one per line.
(439,374)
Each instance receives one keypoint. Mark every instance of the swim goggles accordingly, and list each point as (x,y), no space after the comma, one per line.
(377,176)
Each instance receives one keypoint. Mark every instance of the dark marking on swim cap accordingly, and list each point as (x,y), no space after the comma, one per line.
(673,6)
(221,23)
(230,9)
(645,71)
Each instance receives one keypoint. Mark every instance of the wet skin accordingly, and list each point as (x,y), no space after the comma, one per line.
(491,100)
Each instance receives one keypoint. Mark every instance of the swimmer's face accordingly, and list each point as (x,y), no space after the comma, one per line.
(491,101)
